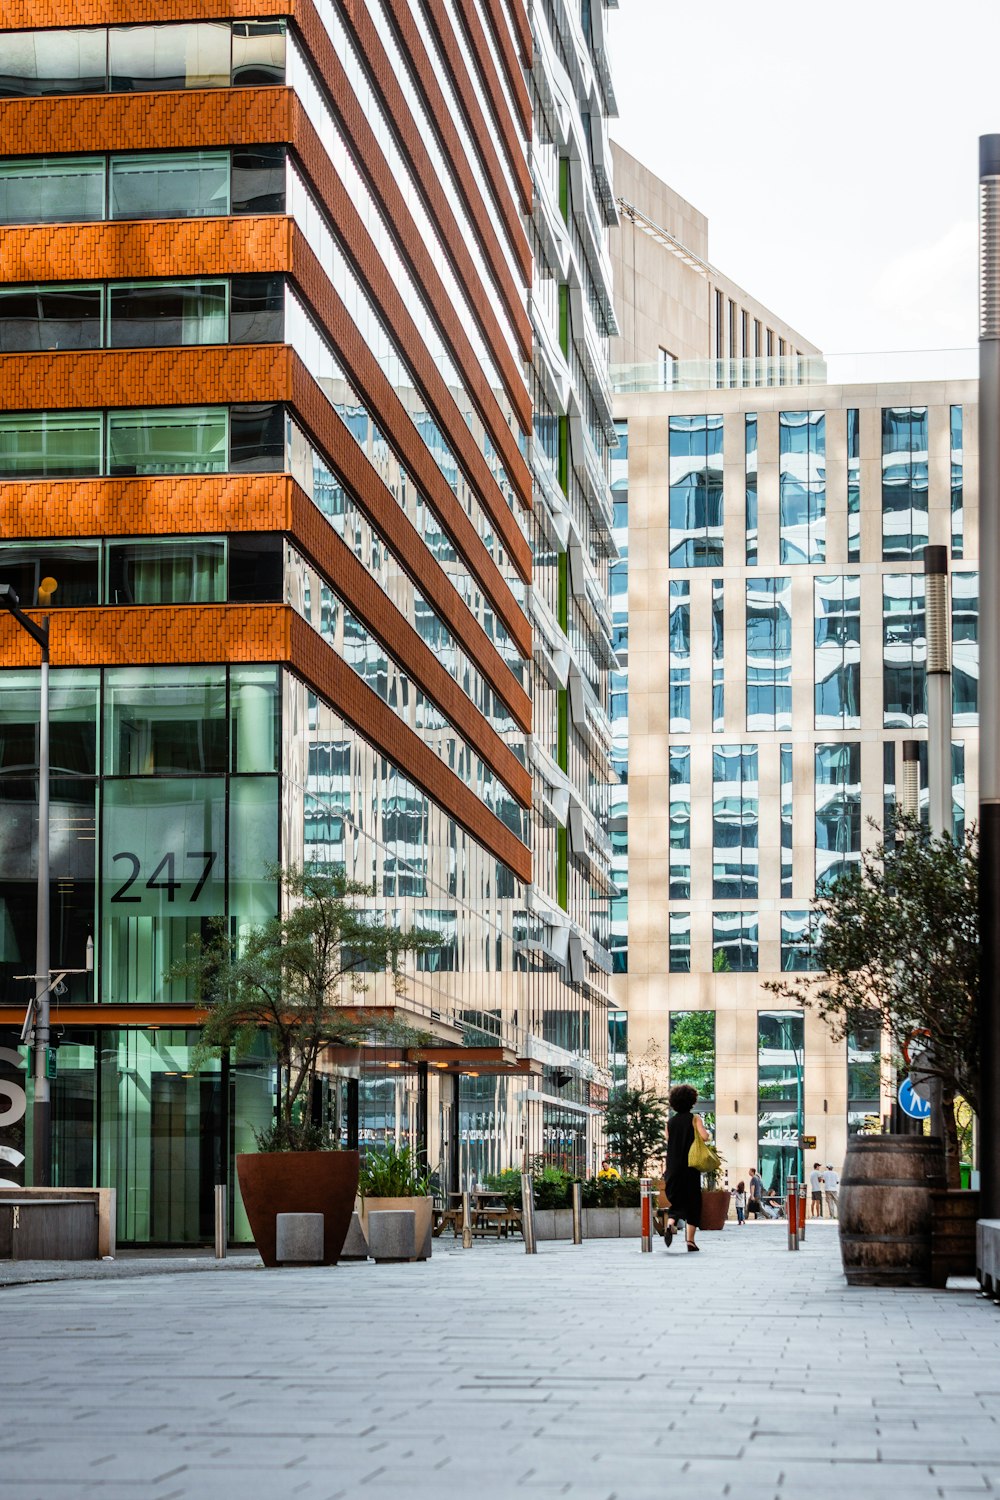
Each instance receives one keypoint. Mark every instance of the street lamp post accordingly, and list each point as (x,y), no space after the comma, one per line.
(41,1118)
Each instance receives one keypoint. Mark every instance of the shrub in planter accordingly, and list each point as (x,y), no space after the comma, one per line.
(392,1177)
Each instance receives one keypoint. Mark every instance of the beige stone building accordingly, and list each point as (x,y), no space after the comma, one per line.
(769,616)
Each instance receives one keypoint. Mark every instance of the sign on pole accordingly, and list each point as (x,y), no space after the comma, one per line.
(911,1103)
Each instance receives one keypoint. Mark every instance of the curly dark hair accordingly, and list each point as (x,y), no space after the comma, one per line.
(683,1097)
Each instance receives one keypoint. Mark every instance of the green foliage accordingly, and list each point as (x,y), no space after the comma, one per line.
(392,1171)
(292,978)
(692,1050)
(294,1135)
(635,1120)
(553,1188)
(720,962)
(507,1182)
(611,1192)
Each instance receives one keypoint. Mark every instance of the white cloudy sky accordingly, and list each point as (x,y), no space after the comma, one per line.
(834,149)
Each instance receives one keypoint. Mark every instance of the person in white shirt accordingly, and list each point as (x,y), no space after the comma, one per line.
(831,1187)
(816,1190)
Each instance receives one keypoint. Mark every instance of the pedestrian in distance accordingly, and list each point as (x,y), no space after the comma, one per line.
(740,1202)
(831,1188)
(816,1190)
(755,1199)
(682,1183)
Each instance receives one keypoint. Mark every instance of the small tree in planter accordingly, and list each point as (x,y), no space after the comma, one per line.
(635,1120)
(394,1177)
(290,978)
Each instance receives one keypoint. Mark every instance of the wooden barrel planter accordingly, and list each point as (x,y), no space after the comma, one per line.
(953,1234)
(886,1209)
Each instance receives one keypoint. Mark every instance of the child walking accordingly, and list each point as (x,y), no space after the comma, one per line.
(740,1199)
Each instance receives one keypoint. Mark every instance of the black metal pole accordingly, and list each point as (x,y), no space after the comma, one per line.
(989,674)
(455,1142)
(422,1113)
(353,1113)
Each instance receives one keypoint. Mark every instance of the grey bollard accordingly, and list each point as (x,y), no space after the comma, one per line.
(355,1246)
(392,1234)
(221,1220)
(299,1239)
(576,1203)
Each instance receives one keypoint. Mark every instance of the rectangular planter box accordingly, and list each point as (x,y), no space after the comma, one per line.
(601,1224)
(553,1223)
(630,1223)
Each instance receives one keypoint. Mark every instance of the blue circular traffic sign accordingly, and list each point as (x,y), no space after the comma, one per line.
(911,1103)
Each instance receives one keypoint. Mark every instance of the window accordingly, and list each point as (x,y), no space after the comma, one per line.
(734,942)
(257,310)
(780,1095)
(52,189)
(49,445)
(904,652)
(769,653)
(74,566)
(853,486)
(798,941)
(257,438)
(152,314)
(718,657)
(864,1071)
(50,317)
(158,185)
(837,661)
(680,942)
(787,804)
(165,723)
(169,571)
(193,55)
(735,822)
(258,52)
(904,483)
(53,62)
(680,656)
(751,488)
(958,790)
(184,440)
(258,180)
(692,1051)
(838,811)
(802,486)
(957,487)
(965,647)
(680,823)
(695,492)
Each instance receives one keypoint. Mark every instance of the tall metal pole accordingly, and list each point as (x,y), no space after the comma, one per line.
(936,613)
(989,672)
(910,797)
(42,1108)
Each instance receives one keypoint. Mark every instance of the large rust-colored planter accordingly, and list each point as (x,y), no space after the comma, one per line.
(299,1182)
(714,1208)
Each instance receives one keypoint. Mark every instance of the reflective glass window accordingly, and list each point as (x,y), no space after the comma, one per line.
(751,486)
(853,486)
(780,1095)
(965,647)
(52,189)
(787,804)
(74,694)
(258,52)
(864,1065)
(168,440)
(53,62)
(769,653)
(258,180)
(692,1052)
(957,486)
(257,310)
(735,822)
(253,849)
(680,656)
(162,185)
(151,314)
(696,491)
(718,657)
(49,444)
(680,942)
(838,811)
(734,942)
(904,483)
(904,651)
(680,823)
(256,568)
(50,317)
(837,660)
(254,712)
(798,942)
(958,789)
(170,570)
(177,55)
(164,721)
(257,438)
(802,486)
(73,565)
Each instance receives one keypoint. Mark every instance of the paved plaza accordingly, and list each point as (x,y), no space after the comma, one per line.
(592,1372)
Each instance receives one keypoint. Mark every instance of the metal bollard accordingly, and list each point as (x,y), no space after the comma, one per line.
(221,1220)
(792,1213)
(576,1194)
(802,1212)
(646,1214)
(466,1221)
(528,1213)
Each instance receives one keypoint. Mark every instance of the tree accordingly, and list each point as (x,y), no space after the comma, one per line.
(635,1120)
(290,978)
(898,949)
(692,1050)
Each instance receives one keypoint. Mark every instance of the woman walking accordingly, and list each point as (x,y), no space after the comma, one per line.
(683,1183)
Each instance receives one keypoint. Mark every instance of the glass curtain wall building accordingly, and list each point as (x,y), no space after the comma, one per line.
(274,416)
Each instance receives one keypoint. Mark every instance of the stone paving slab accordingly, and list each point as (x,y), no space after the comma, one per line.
(590,1373)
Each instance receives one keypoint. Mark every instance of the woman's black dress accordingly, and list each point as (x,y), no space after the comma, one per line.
(683,1183)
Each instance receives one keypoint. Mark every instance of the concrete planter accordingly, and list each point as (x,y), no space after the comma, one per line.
(422,1207)
(630,1223)
(601,1223)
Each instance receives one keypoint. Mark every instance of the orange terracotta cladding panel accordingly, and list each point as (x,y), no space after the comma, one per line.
(150,247)
(511,63)
(262,633)
(212,373)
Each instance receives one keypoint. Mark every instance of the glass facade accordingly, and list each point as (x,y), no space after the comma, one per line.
(769,653)
(734,942)
(692,1053)
(838,811)
(679,923)
(735,822)
(780,1096)
(750,440)
(798,939)
(904,651)
(618,703)
(965,648)
(696,492)
(680,656)
(837,616)
(785,814)
(853,486)
(718,657)
(802,486)
(680,823)
(957,486)
(904,483)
